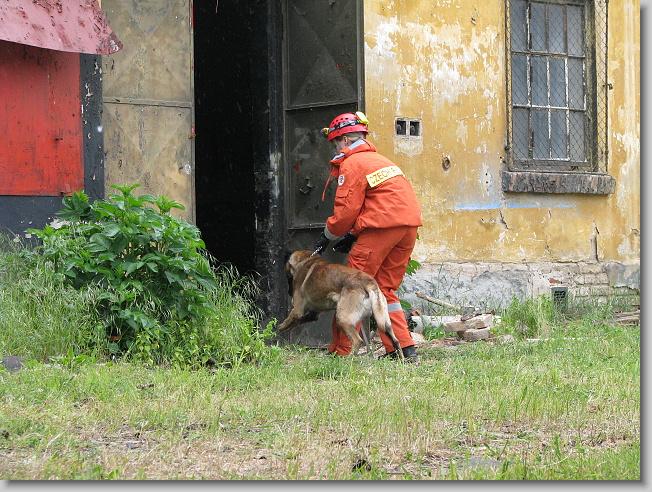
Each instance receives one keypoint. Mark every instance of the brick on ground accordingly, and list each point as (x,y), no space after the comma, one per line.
(475,323)
(476,334)
(480,321)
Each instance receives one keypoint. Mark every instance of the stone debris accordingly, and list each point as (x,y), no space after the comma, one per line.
(477,327)
(628,318)
(421,321)
(474,334)
(12,363)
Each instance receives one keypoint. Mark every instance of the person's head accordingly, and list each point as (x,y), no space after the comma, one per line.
(346,129)
(347,139)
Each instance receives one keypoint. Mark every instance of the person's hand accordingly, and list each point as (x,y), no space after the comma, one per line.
(321,244)
(344,245)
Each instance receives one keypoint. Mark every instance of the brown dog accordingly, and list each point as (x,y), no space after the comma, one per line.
(317,286)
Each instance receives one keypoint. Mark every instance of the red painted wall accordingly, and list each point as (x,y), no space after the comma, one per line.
(40,121)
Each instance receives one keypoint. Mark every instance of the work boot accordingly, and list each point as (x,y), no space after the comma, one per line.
(409,354)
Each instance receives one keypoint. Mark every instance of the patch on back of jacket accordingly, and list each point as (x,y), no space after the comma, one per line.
(382,175)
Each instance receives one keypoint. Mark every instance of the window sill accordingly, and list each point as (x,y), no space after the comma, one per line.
(539,182)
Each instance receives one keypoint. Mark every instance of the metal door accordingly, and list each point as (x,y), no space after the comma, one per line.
(148,99)
(323,77)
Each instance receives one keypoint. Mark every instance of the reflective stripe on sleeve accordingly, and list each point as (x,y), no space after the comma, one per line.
(394,306)
(330,235)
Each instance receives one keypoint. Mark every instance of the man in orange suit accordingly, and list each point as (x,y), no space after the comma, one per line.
(375,219)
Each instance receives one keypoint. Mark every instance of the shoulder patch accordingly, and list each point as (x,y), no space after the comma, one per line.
(382,175)
(340,180)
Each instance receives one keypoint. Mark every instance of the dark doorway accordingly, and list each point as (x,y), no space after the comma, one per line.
(238,144)
(260,162)
(224,142)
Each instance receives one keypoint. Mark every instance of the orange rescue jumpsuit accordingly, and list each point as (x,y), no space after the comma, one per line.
(376,203)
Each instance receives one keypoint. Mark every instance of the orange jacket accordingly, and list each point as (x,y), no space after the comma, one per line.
(372,192)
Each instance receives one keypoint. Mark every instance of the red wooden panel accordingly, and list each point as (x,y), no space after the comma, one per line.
(40,121)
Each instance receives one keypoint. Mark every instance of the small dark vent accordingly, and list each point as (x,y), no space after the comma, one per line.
(401,127)
(560,297)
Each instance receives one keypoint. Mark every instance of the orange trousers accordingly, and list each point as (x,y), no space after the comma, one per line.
(383,254)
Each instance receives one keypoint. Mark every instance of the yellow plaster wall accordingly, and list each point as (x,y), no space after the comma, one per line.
(443,62)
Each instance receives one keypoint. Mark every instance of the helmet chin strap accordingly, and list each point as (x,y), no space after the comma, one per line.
(334,168)
(328,181)
(333,174)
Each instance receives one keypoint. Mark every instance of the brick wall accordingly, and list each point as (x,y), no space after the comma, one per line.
(495,284)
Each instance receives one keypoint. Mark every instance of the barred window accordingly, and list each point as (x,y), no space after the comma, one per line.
(557,81)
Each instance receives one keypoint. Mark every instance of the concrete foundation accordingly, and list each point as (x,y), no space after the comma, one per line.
(494,285)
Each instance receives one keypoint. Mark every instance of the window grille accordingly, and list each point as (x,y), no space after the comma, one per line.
(557,97)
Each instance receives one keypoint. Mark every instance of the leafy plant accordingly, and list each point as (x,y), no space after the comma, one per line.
(157,289)
(412,267)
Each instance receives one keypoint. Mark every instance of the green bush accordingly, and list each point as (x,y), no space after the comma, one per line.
(154,291)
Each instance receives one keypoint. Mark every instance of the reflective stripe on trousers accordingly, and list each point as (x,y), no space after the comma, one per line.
(383,254)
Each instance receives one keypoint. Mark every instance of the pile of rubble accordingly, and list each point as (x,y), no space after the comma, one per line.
(629,317)
(476,327)
(471,324)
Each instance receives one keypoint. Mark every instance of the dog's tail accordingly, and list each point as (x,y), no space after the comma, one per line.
(381,315)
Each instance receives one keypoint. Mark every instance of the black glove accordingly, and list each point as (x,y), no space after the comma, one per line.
(321,244)
(344,245)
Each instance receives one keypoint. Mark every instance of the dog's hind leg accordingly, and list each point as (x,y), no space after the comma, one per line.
(348,314)
(352,333)
(366,336)
(397,346)
(381,315)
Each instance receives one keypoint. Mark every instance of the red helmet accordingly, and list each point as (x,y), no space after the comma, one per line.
(346,123)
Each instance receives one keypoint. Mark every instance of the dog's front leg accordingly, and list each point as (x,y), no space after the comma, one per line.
(309,316)
(293,318)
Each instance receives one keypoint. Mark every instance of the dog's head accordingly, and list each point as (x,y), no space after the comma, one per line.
(292,263)
(294,260)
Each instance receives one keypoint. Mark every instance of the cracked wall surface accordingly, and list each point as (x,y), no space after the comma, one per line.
(443,62)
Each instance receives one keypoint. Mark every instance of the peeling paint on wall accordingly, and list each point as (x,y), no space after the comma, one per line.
(408,146)
(275,160)
(444,62)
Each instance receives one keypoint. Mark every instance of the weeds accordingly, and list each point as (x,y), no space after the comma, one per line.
(562,409)
(119,278)
(530,317)
(40,317)
(540,317)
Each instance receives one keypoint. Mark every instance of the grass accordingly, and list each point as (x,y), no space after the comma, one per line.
(42,317)
(557,409)
(560,401)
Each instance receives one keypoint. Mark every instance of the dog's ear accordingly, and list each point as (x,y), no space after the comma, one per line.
(288,271)
(290,282)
